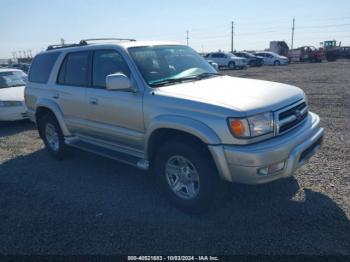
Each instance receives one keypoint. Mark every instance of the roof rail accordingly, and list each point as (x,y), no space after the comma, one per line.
(85,41)
(52,47)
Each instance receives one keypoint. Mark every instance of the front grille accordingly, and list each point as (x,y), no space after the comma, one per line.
(292,117)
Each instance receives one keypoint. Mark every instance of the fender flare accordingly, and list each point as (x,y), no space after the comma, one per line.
(54,108)
(184,124)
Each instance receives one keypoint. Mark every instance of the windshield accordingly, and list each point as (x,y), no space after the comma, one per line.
(12,78)
(160,64)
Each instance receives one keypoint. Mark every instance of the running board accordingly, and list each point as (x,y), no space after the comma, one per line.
(106,152)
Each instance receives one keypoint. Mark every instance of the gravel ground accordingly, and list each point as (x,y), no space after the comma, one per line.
(86,204)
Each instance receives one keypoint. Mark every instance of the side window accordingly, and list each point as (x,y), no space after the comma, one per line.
(215,55)
(74,70)
(41,67)
(106,62)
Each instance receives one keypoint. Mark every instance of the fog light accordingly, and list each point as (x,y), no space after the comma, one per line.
(271,169)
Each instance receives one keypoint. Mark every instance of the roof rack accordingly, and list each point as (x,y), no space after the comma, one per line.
(85,41)
(52,47)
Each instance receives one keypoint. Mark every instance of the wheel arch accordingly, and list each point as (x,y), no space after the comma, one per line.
(166,127)
(46,106)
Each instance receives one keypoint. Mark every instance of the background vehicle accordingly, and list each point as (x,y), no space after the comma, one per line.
(213,64)
(279,47)
(161,106)
(21,66)
(12,107)
(227,60)
(306,54)
(253,60)
(341,52)
(271,58)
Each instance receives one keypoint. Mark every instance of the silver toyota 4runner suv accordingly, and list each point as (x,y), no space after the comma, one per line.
(161,107)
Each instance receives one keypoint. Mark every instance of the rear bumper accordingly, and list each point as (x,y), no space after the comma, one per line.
(242,163)
(13,113)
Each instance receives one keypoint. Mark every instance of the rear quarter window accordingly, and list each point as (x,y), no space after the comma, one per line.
(41,67)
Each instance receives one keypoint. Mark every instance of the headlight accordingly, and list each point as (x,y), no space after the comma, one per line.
(253,126)
(10,103)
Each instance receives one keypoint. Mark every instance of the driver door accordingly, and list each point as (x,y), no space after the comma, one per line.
(114,116)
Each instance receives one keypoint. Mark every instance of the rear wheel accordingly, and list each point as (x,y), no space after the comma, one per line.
(52,136)
(187,175)
(231,65)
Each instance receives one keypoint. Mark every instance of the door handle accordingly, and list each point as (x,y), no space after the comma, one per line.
(56,96)
(93,101)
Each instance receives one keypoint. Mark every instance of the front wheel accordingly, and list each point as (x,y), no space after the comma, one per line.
(232,65)
(187,175)
(277,63)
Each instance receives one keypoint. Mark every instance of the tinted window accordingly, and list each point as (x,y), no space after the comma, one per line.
(74,70)
(107,62)
(41,67)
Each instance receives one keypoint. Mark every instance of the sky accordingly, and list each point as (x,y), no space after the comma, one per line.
(34,24)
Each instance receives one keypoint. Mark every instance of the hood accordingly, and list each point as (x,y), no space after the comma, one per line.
(12,93)
(240,94)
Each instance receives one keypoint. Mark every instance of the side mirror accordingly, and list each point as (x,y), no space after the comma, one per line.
(119,81)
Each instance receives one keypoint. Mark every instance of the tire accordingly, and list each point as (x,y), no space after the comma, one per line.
(52,136)
(232,65)
(276,63)
(198,170)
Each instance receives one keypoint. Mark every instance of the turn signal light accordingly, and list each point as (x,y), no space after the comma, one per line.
(239,127)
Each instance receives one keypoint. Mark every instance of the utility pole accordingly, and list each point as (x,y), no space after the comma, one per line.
(187,37)
(232,33)
(293,33)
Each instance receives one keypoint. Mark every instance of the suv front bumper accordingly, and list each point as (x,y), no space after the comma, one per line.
(242,163)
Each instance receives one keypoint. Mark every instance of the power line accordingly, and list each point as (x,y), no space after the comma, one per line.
(323,26)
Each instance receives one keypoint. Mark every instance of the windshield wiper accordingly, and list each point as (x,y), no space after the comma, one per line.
(206,75)
(182,79)
(173,80)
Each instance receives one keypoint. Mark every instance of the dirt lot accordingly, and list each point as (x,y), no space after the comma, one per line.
(90,205)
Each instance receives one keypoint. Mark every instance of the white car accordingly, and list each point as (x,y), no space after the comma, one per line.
(227,60)
(213,64)
(271,58)
(12,106)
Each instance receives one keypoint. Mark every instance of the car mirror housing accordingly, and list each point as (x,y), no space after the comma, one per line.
(119,82)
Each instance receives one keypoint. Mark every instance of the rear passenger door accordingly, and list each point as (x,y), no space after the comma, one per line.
(70,90)
(114,116)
